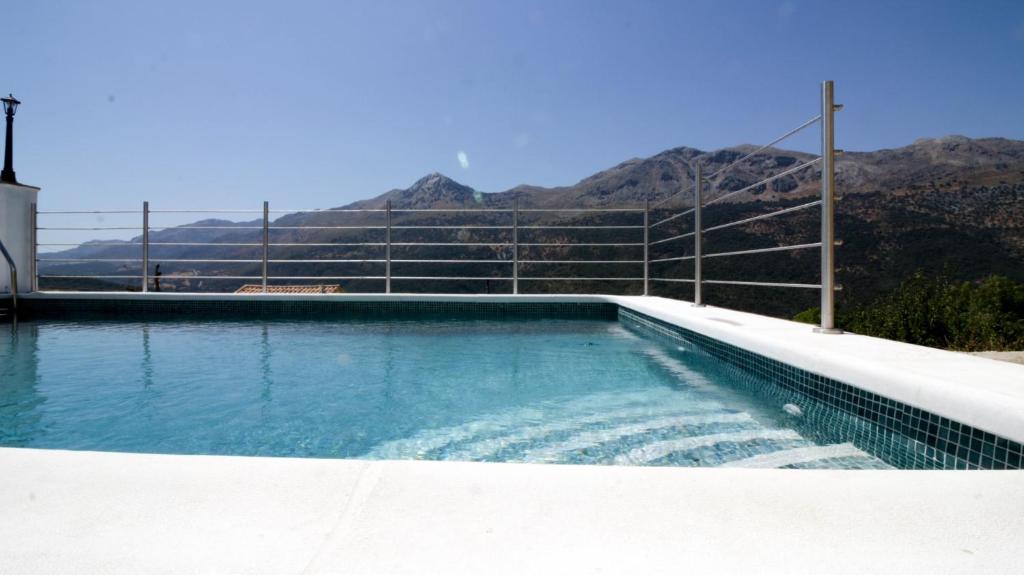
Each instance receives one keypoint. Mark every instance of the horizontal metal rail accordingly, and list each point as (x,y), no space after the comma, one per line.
(583,279)
(452,210)
(476,244)
(581,261)
(792,132)
(764,284)
(229,244)
(544,227)
(321,245)
(673,238)
(90,277)
(674,280)
(428,261)
(670,218)
(674,194)
(767,180)
(577,245)
(318,210)
(308,277)
(764,216)
(675,259)
(206,211)
(462,278)
(320,227)
(92,260)
(61,212)
(91,244)
(464,227)
(765,250)
(73,229)
(325,261)
(191,227)
(582,210)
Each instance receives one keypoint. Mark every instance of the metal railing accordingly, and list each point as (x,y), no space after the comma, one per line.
(14,278)
(826,202)
(504,249)
(381,233)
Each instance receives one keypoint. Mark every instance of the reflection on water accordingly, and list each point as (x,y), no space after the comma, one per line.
(19,397)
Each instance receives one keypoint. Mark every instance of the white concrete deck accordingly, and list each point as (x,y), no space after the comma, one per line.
(83,512)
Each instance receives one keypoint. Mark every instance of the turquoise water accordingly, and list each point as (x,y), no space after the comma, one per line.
(557,391)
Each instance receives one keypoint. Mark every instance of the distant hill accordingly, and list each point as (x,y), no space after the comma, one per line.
(953,204)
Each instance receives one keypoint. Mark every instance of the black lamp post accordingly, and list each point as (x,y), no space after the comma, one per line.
(10,107)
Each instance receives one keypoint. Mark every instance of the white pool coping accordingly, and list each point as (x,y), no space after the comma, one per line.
(972,390)
(87,512)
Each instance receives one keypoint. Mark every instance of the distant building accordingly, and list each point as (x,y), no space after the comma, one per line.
(305,289)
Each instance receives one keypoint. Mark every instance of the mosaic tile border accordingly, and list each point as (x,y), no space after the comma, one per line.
(138,309)
(951,444)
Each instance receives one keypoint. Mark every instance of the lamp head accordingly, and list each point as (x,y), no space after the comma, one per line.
(10,104)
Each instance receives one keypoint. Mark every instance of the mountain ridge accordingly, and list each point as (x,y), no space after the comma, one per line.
(937,203)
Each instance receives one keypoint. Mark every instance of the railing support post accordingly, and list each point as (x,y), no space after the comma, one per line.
(34,271)
(828,183)
(698,272)
(647,245)
(387,250)
(515,246)
(266,243)
(145,246)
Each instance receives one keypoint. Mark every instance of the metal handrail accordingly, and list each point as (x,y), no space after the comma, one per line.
(388,259)
(14,278)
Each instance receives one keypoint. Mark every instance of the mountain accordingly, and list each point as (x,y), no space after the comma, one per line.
(952,203)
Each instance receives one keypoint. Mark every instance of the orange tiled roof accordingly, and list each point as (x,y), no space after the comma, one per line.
(305,289)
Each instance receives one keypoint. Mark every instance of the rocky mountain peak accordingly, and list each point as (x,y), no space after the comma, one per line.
(435,190)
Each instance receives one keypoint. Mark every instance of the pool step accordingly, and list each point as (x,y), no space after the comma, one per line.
(799,456)
(625,429)
(482,437)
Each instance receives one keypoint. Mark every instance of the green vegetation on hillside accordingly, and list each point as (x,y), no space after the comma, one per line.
(940,312)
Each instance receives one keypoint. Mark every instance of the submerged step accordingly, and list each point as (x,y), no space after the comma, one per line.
(657,450)
(588,439)
(799,455)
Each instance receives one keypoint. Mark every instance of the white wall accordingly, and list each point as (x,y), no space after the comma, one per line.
(16,233)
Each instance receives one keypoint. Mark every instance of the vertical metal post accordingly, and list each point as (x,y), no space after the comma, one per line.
(387,250)
(647,245)
(698,272)
(145,246)
(828,183)
(515,246)
(34,271)
(266,243)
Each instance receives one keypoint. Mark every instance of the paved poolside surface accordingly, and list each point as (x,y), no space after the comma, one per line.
(1010,356)
(87,512)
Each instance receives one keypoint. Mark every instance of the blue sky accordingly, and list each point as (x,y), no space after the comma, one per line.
(315,104)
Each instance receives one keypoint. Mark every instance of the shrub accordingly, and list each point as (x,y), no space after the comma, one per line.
(940,312)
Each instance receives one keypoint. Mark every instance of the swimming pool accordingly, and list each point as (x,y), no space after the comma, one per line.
(541,390)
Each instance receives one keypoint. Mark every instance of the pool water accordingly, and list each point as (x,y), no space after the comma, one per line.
(544,391)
